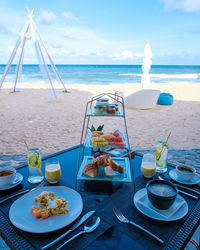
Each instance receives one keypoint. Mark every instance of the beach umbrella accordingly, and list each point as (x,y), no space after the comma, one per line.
(146,65)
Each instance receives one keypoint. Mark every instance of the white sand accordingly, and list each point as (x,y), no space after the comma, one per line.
(56,125)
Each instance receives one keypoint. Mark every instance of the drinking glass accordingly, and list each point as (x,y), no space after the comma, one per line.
(148,167)
(34,165)
(161,152)
(52,170)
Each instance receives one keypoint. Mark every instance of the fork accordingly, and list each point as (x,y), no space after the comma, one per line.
(123,219)
(22,192)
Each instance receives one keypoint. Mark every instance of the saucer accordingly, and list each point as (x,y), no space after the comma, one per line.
(193,181)
(18,179)
(177,211)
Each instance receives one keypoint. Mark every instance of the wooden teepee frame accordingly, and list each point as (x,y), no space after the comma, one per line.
(29,30)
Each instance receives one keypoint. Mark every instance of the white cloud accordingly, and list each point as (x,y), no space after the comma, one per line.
(96,54)
(124,55)
(46,17)
(11,48)
(127,54)
(138,54)
(99,54)
(59,51)
(115,56)
(68,34)
(70,43)
(183,5)
(69,15)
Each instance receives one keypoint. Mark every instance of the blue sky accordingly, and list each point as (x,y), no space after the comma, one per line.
(106,31)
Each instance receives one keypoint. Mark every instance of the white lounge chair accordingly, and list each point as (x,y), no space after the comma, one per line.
(141,99)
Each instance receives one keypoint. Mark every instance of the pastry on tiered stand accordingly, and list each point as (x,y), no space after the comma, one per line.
(91,169)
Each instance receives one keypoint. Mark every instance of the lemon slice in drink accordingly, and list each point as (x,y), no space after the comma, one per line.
(158,152)
(34,160)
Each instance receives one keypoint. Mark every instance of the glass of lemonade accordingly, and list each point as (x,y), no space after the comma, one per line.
(148,167)
(52,171)
(161,152)
(34,165)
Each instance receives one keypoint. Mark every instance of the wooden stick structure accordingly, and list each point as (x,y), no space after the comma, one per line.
(13,53)
(20,59)
(24,35)
(50,59)
(46,68)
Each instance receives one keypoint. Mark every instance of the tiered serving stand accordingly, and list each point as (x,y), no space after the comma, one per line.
(86,146)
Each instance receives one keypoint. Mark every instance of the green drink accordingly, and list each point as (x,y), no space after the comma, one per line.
(34,165)
(161,152)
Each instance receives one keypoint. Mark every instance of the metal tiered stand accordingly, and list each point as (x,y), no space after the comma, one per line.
(86,147)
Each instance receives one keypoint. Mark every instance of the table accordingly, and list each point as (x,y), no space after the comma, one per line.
(112,237)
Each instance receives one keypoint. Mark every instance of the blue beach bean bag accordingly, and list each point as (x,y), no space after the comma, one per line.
(165,99)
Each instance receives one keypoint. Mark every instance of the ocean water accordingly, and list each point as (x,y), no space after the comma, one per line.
(108,74)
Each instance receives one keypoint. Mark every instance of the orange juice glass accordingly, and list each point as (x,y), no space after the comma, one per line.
(148,167)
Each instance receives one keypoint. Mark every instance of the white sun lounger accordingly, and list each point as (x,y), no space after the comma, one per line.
(141,99)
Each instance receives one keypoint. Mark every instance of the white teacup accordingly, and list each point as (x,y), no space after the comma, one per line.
(7,175)
(185,173)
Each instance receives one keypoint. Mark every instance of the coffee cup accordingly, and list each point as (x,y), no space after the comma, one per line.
(7,175)
(185,173)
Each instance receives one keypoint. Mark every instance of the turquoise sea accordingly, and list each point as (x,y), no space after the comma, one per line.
(108,74)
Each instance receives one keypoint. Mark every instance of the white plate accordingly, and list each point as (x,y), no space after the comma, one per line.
(195,180)
(20,216)
(18,179)
(177,211)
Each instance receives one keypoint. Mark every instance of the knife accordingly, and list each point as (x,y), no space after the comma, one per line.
(22,192)
(77,224)
(14,195)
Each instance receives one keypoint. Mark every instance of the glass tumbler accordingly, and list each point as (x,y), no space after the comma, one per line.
(52,170)
(148,167)
(34,165)
(161,151)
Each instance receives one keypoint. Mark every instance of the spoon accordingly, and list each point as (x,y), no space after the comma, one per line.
(89,227)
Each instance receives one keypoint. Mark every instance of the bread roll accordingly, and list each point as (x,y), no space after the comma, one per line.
(91,170)
(102,160)
(116,167)
(108,171)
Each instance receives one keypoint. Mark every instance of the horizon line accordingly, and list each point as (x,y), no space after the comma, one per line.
(34,64)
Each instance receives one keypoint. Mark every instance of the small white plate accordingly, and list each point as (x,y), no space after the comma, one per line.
(193,181)
(18,179)
(177,211)
(20,216)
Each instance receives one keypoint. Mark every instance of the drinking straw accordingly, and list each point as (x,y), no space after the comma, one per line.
(26,145)
(29,151)
(168,136)
(158,158)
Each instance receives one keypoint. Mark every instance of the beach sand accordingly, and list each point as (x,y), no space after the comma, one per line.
(56,125)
